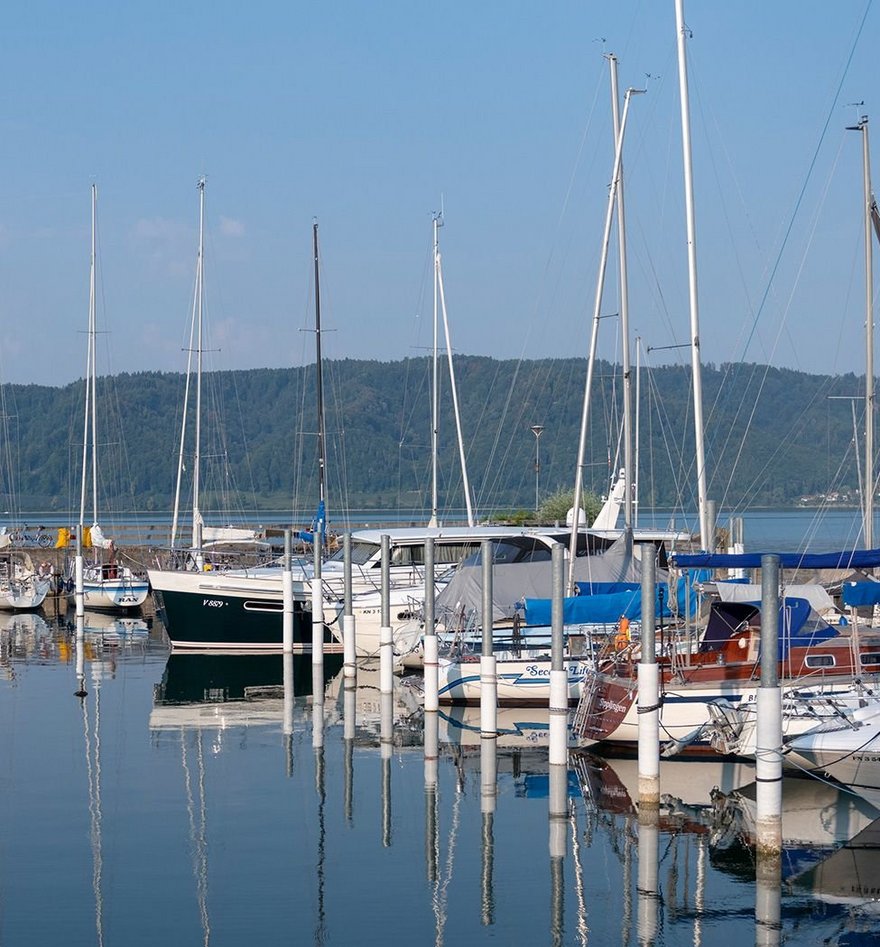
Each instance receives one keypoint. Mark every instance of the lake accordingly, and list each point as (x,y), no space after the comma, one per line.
(213,800)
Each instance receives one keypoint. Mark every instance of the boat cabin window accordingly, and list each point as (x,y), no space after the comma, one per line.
(445,553)
(820,661)
(870,660)
(361,553)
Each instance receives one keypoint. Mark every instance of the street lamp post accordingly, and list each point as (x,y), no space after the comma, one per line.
(537,430)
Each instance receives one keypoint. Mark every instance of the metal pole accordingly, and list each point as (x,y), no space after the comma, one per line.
(317,608)
(79,592)
(488,676)
(430,645)
(287,594)
(649,690)
(386,642)
(768,762)
(558,675)
(349,628)
(488,790)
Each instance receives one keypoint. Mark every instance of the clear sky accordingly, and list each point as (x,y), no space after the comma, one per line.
(365,114)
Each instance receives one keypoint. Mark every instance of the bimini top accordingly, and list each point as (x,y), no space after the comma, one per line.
(848,559)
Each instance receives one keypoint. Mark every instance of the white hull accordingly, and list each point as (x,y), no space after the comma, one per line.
(521,681)
(113,594)
(685,709)
(851,754)
(22,594)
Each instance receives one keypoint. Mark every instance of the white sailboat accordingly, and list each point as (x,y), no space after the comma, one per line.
(103,582)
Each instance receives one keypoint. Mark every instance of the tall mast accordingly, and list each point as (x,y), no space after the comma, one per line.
(89,421)
(435,372)
(594,338)
(624,316)
(200,303)
(696,369)
(319,393)
(868,506)
(453,388)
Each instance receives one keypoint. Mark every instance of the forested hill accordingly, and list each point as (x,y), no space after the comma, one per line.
(773,436)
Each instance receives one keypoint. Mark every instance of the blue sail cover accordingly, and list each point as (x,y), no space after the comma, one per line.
(849,559)
(597,609)
(861,593)
(317,528)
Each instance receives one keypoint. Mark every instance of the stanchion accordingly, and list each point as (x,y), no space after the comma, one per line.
(349,645)
(317,608)
(429,639)
(79,591)
(768,754)
(287,594)
(386,642)
(649,690)
(488,675)
(558,675)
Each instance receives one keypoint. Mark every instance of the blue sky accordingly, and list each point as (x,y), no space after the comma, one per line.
(364,114)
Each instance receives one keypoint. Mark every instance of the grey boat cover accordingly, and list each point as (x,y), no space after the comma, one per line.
(514,582)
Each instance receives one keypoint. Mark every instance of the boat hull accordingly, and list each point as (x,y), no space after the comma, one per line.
(209,611)
(116,594)
(521,682)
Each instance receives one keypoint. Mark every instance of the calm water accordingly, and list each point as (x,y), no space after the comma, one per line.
(164,808)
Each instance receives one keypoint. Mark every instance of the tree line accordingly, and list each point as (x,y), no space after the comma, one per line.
(773,437)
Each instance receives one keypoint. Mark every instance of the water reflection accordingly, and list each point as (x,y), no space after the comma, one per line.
(368,808)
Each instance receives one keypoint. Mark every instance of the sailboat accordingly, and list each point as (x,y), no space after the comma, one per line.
(209,608)
(106,583)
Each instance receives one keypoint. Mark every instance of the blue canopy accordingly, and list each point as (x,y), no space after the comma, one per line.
(849,559)
(861,593)
(597,609)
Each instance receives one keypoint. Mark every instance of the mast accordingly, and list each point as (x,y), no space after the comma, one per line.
(594,337)
(319,395)
(200,303)
(89,421)
(435,376)
(868,506)
(624,317)
(466,486)
(696,370)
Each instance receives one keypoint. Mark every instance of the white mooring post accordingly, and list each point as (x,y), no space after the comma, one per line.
(386,641)
(80,691)
(287,595)
(432,839)
(558,675)
(649,865)
(558,844)
(488,676)
(649,690)
(348,621)
(79,593)
(488,794)
(386,749)
(317,610)
(768,754)
(289,704)
(429,639)
(318,706)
